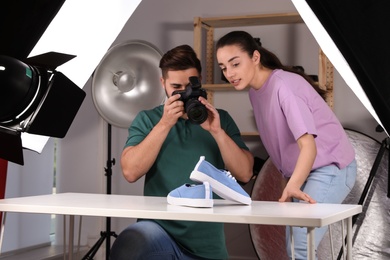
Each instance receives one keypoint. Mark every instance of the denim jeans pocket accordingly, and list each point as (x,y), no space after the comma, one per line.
(350,178)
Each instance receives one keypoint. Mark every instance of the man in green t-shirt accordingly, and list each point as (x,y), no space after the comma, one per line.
(165,146)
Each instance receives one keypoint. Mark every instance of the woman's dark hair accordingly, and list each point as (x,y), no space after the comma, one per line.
(268,59)
(182,57)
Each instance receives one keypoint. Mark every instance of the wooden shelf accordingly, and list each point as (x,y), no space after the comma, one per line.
(252,20)
(250,134)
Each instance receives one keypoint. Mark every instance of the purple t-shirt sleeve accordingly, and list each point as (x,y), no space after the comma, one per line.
(297,114)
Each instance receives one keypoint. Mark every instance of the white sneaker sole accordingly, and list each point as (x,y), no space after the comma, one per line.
(220,189)
(198,203)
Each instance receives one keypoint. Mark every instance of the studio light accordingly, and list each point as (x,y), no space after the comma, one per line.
(35,99)
(125,82)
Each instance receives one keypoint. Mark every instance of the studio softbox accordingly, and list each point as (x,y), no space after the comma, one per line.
(354,36)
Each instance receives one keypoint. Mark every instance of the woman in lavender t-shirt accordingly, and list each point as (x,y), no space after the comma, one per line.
(301,134)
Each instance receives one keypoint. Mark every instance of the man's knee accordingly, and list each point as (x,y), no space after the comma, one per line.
(130,242)
(141,239)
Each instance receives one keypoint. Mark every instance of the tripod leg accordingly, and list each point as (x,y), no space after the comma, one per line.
(108,236)
(388,170)
(92,252)
(373,171)
(105,234)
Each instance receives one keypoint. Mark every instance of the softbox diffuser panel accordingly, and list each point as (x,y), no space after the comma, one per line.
(359,29)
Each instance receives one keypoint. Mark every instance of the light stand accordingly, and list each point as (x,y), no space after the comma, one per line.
(105,235)
(125,82)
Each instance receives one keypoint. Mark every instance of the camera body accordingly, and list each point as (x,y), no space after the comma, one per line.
(197,113)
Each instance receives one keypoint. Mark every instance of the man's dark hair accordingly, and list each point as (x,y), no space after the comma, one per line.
(182,57)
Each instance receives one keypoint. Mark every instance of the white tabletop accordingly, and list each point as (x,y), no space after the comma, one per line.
(126,206)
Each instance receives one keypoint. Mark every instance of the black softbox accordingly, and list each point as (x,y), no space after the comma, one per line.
(360,30)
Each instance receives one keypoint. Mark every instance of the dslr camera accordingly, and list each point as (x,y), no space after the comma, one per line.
(197,113)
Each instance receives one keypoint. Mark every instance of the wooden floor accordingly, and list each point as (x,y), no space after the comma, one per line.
(43,253)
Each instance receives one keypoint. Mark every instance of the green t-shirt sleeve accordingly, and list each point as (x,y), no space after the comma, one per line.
(139,129)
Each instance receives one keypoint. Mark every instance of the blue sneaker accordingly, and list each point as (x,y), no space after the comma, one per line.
(200,196)
(223,183)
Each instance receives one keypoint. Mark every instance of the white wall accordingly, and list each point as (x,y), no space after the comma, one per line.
(166,24)
(31,179)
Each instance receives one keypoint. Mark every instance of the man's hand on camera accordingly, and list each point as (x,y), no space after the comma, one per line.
(213,123)
(173,110)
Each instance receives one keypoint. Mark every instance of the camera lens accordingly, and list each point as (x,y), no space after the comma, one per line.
(196,111)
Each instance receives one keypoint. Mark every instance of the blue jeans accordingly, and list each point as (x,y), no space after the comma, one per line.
(147,240)
(328,184)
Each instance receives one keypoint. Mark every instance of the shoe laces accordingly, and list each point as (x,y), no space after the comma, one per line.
(229,175)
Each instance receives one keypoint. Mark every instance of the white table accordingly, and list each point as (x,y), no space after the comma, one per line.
(125,206)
